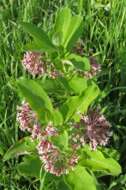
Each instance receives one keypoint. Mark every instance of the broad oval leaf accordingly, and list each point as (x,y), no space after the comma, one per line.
(40,37)
(63,20)
(70,107)
(30,166)
(57,118)
(79,104)
(89,95)
(33,46)
(21,147)
(96,161)
(80,179)
(78,84)
(74,31)
(80,63)
(36,96)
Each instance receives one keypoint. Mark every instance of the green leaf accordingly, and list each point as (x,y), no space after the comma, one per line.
(30,166)
(62,23)
(78,84)
(57,118)
(61,140)
(74,31)
(96,161)
(39,36)
(89,95)
(33,46)
(70,107)
(81,63)
(80,179)
(57,38)
(36,96)
(79,104)
(59,85)
(23,146)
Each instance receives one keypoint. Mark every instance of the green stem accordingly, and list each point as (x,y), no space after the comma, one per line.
(42,179)
(80,6)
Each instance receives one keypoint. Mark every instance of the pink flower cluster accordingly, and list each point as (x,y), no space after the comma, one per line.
(54,161)
(32,63)
(50,130)
(93,128)
(25,117)
(97,129)
(51,158)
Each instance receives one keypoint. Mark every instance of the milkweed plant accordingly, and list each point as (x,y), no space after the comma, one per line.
(65,130)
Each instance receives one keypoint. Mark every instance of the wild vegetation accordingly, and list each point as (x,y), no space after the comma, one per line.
(101,44)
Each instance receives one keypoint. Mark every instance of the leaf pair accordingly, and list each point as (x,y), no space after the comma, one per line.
(66,31)
(79,104)
(68,27)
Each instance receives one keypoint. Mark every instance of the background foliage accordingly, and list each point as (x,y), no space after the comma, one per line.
(104,35)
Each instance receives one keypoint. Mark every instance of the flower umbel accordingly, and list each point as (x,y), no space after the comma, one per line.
(97,129)
(51,158)
(32,63)
(54,161)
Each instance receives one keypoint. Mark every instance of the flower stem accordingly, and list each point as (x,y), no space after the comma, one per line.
(42,179)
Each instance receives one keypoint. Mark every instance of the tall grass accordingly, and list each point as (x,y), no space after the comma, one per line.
(104,36)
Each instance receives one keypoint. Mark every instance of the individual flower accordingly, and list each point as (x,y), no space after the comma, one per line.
(97,129)
(50,130)
(32,63)
(25,117)
(73,160)
(77,140)
(36,132)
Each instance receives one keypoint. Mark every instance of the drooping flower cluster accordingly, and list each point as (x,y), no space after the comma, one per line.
(51,158)
(97,129)
(55,162)
(32,63)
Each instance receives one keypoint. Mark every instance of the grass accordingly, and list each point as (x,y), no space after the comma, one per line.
(104,35)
